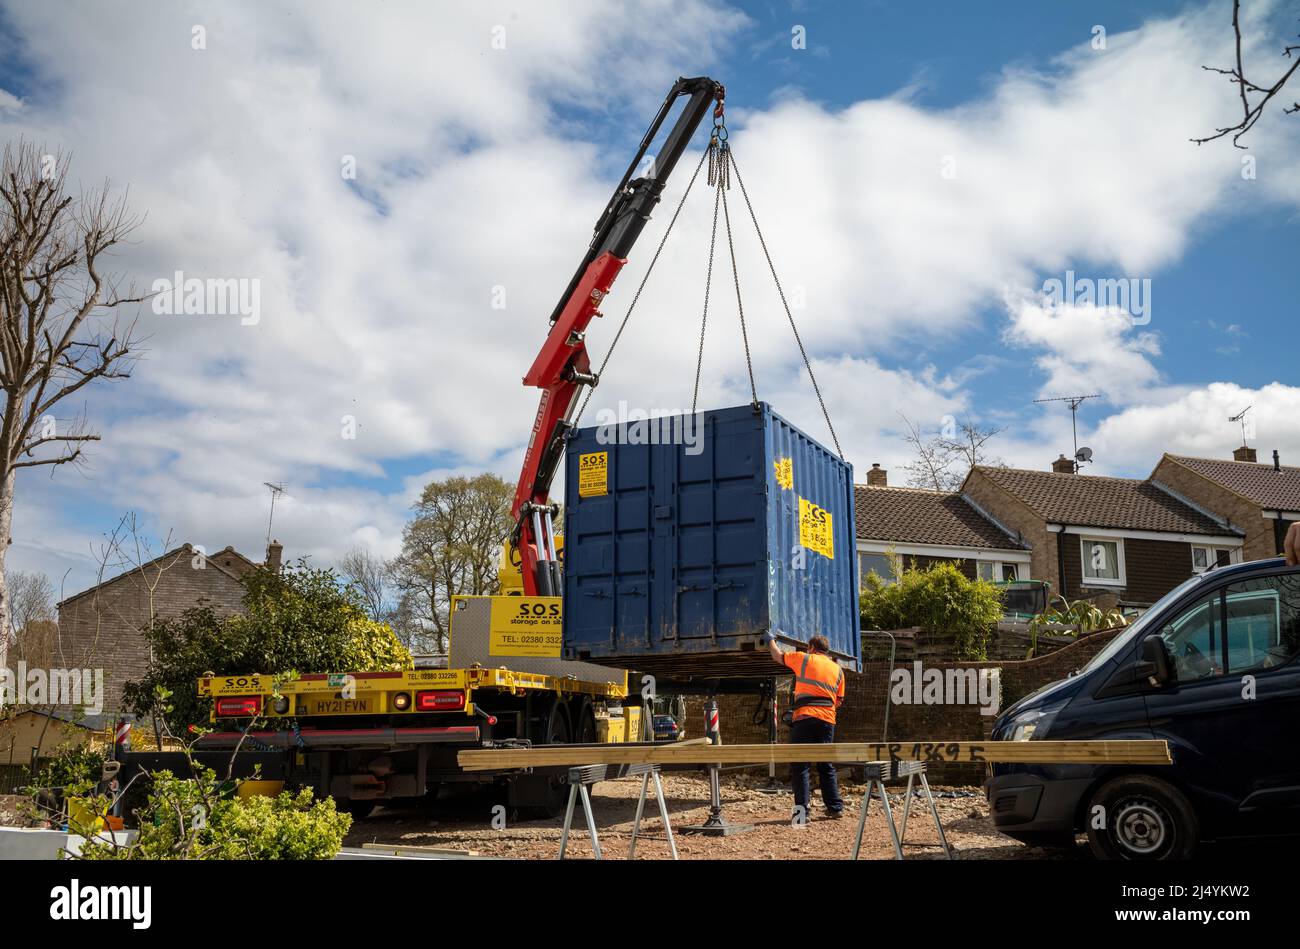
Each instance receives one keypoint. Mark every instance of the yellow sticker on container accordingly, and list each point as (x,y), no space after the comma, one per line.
(815,529)
(784,468)
(593,474)
(525,626)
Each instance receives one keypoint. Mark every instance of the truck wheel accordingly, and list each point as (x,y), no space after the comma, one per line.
(584,732)
(1143,818)
(557,726)
(359,810)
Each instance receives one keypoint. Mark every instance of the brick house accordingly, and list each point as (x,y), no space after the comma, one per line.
(1260,500)
(925,527)
(1116,540)
(100,628)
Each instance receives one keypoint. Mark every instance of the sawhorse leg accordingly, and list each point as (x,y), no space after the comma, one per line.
(876,772)
(652,771)
(912,769)
(579,780)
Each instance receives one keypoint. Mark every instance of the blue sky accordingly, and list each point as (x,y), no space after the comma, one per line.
(481,167)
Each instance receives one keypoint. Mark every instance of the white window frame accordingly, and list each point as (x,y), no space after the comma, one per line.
(1234,556)
(1084,559)
(998,568)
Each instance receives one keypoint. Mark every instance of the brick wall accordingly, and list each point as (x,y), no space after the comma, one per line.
(1015,515)
(862,716)
(1259,542)
(101,629)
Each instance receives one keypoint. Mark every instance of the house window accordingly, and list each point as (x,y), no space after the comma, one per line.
(1009,571)
(1103,561)
(1205,557)
(867,562)
(986,570)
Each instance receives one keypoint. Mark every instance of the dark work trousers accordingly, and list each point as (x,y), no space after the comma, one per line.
(813,731)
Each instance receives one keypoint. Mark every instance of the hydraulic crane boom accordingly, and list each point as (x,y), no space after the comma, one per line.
(562,367)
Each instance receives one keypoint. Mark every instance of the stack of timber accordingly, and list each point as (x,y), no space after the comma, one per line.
(1145,752)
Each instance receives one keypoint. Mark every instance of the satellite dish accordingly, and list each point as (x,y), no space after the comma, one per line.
(1083,455)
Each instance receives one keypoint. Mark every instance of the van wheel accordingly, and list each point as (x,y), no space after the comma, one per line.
(1144,819)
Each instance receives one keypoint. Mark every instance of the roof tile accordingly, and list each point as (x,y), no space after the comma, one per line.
(920,516)
(1273,490)
(1097,501)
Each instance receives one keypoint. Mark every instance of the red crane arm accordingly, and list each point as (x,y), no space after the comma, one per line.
(562,367)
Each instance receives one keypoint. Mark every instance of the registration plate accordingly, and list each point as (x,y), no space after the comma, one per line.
(362,705)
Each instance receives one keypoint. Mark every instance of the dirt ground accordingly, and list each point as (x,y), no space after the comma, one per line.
(465,824)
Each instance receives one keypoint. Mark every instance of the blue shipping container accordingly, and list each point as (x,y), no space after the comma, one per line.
(688,537)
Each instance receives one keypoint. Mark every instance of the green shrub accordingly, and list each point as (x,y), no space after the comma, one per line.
(939,599)
(299,619)
(201,819)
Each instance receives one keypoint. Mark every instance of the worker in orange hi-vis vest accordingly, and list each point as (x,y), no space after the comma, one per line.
(818,692)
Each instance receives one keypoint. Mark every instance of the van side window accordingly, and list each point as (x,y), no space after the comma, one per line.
(1195,641)
(1263,622)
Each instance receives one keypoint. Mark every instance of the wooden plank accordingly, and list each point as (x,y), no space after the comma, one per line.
(977,752)
(419,849)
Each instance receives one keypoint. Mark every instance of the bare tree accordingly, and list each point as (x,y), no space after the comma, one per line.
(966,447)
(31,599)
(372,578)
(1253,96)
(58,326)
(942,460)
(930,463)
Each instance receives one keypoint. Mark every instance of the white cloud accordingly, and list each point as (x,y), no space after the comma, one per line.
(475,172)
(1197,423)
(1085,349)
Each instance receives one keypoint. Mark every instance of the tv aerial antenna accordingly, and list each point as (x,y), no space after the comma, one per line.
(1081,455)
(1241,417)
(277,489)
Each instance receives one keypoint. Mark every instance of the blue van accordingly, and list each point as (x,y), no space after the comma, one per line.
(1212,668)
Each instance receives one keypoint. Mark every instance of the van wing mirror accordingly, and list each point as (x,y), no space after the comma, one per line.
(1154,664)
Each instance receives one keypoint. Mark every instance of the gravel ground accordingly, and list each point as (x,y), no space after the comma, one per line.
(464,823)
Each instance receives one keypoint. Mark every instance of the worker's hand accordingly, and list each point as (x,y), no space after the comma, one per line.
(1291,547)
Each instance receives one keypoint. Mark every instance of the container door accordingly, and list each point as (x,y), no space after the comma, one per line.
(607,547)
(718,488)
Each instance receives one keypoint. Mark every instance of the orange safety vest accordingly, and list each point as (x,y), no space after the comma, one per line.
(818,685)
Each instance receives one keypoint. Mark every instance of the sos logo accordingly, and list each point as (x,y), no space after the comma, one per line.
(539,610)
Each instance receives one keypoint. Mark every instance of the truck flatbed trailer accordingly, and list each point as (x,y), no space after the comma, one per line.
(366,737)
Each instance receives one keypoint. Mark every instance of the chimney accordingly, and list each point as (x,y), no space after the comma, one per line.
(1277,462)
(1063,465)
(1244,453)
(877,477)
(274,550)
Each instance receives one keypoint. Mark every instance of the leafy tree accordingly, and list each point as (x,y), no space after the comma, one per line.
(940,599)
(299,619)
(451,547)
